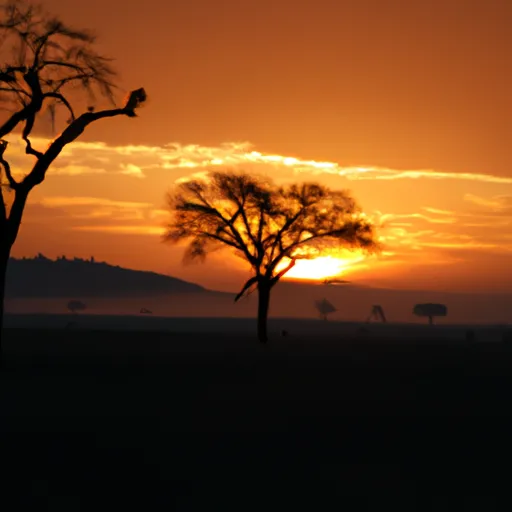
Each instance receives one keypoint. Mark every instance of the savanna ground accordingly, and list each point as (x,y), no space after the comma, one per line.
(159,421)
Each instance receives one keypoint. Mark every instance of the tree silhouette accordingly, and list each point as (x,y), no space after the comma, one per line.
(51,66)
(268,226)
(74,306)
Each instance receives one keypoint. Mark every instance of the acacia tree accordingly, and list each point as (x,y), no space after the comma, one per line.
(268,226)
(49,65)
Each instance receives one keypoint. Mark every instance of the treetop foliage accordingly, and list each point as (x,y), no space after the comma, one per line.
(264,223)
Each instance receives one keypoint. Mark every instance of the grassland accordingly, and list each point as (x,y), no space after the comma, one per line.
(97,419)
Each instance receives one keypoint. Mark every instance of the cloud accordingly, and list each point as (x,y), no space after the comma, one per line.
(465,245)
(238,154)
(401,224)
(488,225)
(196,176)
(399,238)
(452,236)
(98,208)
(62,201)
(158,213)
(137,160)
(131,170)
(124,230)
(497,203)
(438,211)
(76,170)
(388,174)
(432,220)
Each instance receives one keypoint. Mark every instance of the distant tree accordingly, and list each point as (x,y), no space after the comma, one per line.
(51,66)
(268,226)
(430,311)
(74,306)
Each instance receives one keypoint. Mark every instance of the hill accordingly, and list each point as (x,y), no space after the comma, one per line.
(42,277)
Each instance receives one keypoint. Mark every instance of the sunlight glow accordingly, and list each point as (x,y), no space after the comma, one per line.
(322,267)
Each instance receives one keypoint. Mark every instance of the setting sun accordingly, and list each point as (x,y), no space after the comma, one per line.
(322,267)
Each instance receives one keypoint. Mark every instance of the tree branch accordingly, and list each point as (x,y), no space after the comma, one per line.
(241,208)
(276,278)
(12,182)
(247,285)
(345,230)
(29,150)
(13,121)
(42,43)
(235,234)
(16,214)
(74,130)
(261,223)
(29,111)
(69,65)
(220,239)
(63,100)
(3,211)
(286,251)
(15,90)
(286,226)
(7,75)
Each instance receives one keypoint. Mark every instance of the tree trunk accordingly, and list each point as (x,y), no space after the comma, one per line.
(263,303)
(4,260)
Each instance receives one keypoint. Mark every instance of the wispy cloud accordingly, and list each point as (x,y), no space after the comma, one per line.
(137,160)
(496,203)
(98,208)
(438,211)
(60,201)
(465,245)
(131,170)
(388,174)
(123,230)
(432,220)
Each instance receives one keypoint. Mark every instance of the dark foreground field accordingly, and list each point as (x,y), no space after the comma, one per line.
(104,420)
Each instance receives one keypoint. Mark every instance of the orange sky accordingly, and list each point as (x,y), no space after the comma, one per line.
(406,103)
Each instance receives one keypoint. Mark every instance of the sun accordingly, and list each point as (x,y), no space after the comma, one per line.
(322,267)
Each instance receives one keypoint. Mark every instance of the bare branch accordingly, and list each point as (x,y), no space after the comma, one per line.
(62,64)
(276,278)
(29,150)
(222,240)
(10,179)
(13,121)
(62,99)
(15,90)
(3,209)
(229,223)
(74,130)
(42,40)
(251,282)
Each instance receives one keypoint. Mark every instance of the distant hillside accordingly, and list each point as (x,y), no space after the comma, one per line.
(43,277)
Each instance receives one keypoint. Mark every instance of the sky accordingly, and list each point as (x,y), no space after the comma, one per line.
(406,104)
